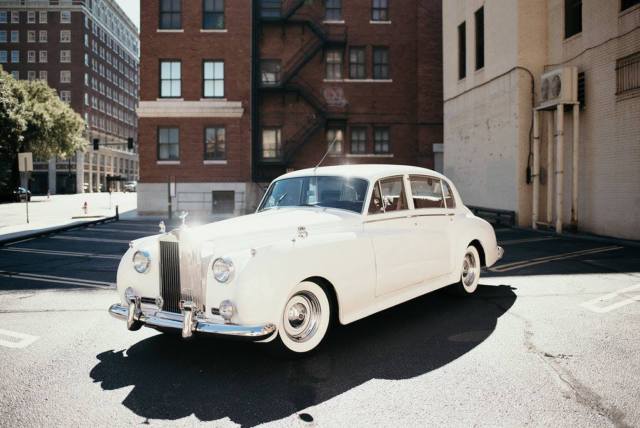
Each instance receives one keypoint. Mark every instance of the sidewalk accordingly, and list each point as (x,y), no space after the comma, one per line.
(60,211)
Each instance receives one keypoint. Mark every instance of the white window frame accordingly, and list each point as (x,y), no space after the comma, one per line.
(65,56)
(65,36)
(65,76)
(43,17)
(31,17)
(65,17)
(31,57)
(43,56)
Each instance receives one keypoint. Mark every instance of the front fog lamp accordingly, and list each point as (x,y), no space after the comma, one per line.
(141,261)
(226,309)
(222,270)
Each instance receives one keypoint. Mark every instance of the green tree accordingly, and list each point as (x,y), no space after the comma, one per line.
(33,119)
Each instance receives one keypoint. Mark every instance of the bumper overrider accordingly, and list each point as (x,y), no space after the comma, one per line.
(500,252)
(187,322)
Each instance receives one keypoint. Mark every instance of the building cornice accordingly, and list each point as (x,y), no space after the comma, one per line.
(180,108)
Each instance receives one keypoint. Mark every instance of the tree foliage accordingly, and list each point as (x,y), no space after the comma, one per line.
(33,119)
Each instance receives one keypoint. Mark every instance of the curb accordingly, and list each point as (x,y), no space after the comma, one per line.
(54,230)
(592,238)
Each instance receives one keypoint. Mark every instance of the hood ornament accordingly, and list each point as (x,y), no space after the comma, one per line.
(183,216)
(163,228)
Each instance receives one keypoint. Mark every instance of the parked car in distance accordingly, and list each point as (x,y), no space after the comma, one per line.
(326,244)
(21,194)
(130,186)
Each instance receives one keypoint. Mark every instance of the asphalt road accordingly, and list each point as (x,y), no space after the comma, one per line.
(551,339)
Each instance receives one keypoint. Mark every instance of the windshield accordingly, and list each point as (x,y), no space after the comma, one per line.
(333,192)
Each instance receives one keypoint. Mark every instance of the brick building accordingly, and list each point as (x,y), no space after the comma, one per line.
(503,61)
(235,93)
(88,51)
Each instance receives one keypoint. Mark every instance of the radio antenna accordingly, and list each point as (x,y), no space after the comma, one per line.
(326,154)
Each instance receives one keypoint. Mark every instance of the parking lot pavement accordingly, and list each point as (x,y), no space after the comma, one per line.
(550,339)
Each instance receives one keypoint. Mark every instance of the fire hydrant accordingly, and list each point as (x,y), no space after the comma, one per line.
(85,207)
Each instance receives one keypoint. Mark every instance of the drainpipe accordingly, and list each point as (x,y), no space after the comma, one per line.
(559,165)
(550,174)
(574,170)
(536,169)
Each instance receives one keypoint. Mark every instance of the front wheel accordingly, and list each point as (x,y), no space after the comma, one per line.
(470,272)
(304,321)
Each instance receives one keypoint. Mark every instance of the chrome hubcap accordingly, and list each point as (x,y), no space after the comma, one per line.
(302,316)
(468,270)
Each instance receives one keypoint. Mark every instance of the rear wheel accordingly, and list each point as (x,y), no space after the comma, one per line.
(304,321)
(470,272)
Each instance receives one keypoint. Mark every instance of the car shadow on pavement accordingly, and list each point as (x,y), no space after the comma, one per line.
(214,379)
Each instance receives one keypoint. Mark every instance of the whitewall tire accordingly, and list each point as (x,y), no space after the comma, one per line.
(304,321)
(470,271)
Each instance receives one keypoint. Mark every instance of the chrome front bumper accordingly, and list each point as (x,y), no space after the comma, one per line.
(187,323)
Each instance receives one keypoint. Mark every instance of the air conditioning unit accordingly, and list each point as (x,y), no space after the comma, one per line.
(559,86)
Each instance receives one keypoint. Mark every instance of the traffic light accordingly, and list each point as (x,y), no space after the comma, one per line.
(96,144)
(130,143)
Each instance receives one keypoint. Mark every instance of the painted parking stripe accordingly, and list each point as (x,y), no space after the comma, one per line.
(57,279)
(595,305)
(79,238)
(62,253)
(526,240)
(17,341)
(533,262)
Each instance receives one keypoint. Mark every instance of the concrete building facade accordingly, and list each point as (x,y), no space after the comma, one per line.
(503,142)
(88,51)
(235,93)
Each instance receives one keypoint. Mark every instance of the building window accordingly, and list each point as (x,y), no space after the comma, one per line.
(65,36)
(65,56)
(381,63)
(357,67)
(31,36)
(65,17)
(15,17)
(624,5)
(462,51)
(15,57)
(44,36)
(213,14)
(65,76)
(628,74)
(3,57)
(335,140)
(31,75)
(170,79)
(43,57)
(42,17)
(572,17)
(15,37)
(31,17)
(380,10)
(333,10)
(215,147)
(3,17)
(381,140)
(3,36)
(333,64)
(43,75)
(271,70)
(270,8)
(271,143)
(15,74)
(358,140)
(31,56)
(168,144)
(479,38)
(170,14)
(213,74)
(65,96)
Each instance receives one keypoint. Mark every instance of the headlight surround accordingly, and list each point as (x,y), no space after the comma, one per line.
(222,270)
(141,261)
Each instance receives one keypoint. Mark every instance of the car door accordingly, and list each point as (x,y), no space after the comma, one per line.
(392,233)
(434,225)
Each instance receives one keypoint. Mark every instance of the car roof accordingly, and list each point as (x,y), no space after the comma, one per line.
(368,171)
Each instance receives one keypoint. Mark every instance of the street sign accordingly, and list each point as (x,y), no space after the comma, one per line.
(25,162)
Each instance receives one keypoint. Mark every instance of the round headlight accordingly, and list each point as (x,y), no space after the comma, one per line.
(222,270)
(141,261)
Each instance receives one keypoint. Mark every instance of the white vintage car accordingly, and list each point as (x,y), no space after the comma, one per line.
(326,244)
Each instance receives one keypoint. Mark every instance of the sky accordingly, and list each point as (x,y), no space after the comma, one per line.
(131,8)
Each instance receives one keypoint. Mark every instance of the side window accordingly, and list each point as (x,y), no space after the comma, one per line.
(388,195)
(427,192)
(448,196)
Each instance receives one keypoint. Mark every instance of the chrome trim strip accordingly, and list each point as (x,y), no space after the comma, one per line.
(162,320)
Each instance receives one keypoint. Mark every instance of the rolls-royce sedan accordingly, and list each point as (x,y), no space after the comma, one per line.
(326,246)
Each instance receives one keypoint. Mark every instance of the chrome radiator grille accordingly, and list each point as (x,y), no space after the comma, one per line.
(170,276)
